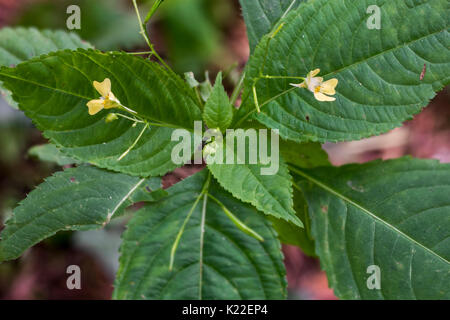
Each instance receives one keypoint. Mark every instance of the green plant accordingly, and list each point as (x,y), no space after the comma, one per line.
(216,235)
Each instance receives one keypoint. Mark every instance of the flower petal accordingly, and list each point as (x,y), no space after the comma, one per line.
(321,97)
(298,85)
(104,88)
(110,104)
(314,73)
(314,83)
(112,96)
(95,106)
(328,87)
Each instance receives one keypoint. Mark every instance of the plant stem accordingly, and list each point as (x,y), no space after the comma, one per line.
(281,77)
(129,118)
(263,104)
(237,90)
(155,124)
(144,33)
(128,109)
(143,52)
(255,97)
(288,9)
(163,125)
(141,25)
(273,34)
(134,143)
(277,96)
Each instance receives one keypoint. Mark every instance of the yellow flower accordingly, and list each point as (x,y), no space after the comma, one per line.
(106,101)
(322,90)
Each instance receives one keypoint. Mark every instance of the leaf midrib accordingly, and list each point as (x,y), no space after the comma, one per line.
(371,214)
(44,86)
(122,201)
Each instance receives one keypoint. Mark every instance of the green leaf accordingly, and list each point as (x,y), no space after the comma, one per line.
(205,88)
(21,44)
(305,155)
(218,112)
(75,199)
(379,71)
(190,79)
(50,153)
(152,10)
(394,215)
(58,107)
(214,260)
(291,234)
(262,15)
(270,192)
(152,192)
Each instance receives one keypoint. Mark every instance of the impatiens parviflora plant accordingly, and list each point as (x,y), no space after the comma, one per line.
(381,230)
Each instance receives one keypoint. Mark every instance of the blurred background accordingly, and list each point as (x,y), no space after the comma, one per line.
(192,35)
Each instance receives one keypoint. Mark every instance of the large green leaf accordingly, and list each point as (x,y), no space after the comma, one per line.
(75,199)
(21,44)
(214,260)
(379,71)
(271,192)
(261,16)
(53,91)
(394,215)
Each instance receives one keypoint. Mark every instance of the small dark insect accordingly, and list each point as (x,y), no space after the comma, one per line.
(307,118)
(424,70)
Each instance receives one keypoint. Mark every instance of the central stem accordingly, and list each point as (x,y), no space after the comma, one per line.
(144,33)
